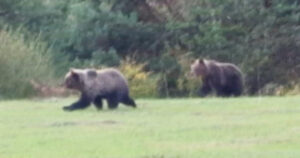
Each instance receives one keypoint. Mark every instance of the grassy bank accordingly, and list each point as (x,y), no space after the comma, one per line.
(266,127)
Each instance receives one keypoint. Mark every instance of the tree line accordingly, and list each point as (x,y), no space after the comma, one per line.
(260,36)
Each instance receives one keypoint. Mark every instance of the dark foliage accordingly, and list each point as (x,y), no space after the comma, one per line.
(261,36)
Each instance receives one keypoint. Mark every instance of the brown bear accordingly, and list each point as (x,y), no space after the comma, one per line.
(95,85)
(225,78)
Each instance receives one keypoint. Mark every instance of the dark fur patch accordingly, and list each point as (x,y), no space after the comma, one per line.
(92,73)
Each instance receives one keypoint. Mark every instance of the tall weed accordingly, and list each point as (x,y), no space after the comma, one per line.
(142,84)
(22,60)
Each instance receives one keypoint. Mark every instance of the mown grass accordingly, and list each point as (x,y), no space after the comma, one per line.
(267,127)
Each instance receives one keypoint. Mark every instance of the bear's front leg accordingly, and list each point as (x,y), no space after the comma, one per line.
(112,101)
(82,103)
(205,89)
(98,102)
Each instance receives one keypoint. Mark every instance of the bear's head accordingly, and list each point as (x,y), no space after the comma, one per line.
(78,78)
(199,68)
(74,79)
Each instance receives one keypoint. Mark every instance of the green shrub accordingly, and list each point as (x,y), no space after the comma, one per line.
(141,83)
(262,40)
(189,86)
(109,58)
(21,60)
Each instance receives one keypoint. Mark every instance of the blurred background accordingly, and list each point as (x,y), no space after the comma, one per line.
(153,42)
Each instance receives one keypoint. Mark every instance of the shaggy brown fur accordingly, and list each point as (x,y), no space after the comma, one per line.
(95,85)
(225,78)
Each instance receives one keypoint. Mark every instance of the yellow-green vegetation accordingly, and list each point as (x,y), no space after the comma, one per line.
(259,36)
(141,83)
(265,127)
(22,60)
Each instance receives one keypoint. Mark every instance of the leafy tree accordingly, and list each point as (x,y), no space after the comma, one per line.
(261,36)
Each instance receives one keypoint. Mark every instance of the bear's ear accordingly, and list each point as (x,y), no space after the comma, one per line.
(74,74)
(200,61)
(72,70)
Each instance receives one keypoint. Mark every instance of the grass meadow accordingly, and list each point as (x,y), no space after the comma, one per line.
(258,127)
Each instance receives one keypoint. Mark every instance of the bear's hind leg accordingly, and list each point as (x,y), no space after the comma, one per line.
(238,89)
(82,103)
(220,93)
(98,102)
(129,101)
(237,92)
(112,101)
(224,92)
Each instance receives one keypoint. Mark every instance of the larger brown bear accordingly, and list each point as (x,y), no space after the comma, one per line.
(95,85)
(225,78)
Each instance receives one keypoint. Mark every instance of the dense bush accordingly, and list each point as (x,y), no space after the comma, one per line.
(20,62)
(141,83)
(260,37)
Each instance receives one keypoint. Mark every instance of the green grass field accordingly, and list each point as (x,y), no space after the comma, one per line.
(267,127)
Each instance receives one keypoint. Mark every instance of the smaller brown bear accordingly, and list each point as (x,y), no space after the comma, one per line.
(95,85)
(225,78)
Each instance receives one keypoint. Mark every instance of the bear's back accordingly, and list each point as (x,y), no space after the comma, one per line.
(110,75)
(105,81)
(227,67)
(111,79)
(222,72)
